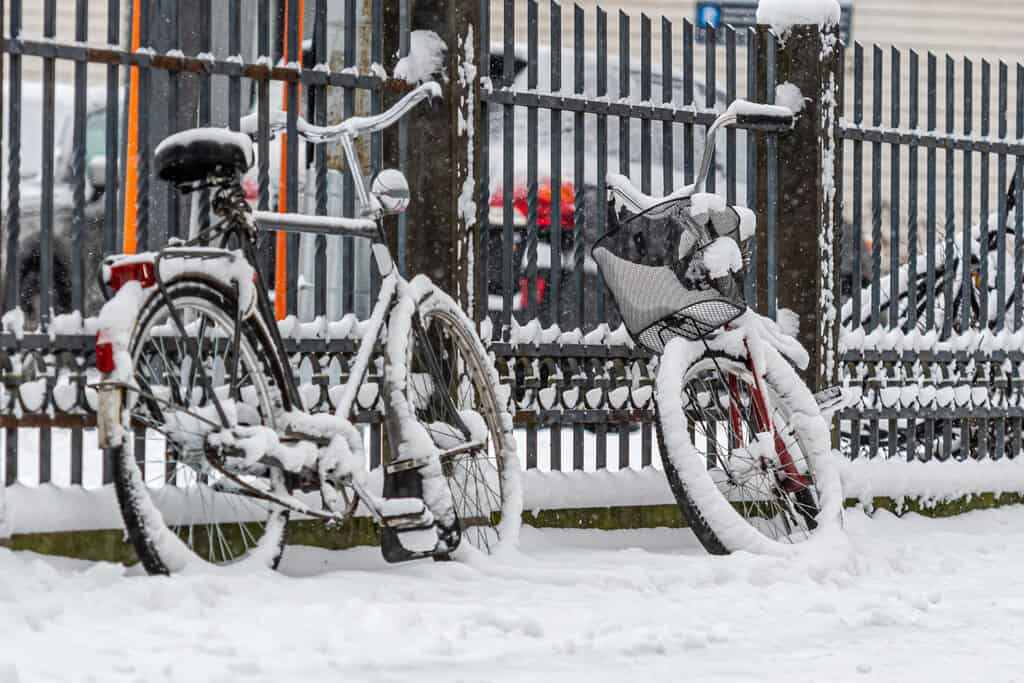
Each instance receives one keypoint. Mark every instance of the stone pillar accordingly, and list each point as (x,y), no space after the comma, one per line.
(807,235)
(443,138)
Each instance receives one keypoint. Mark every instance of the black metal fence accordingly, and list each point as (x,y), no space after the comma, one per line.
(68,210)
(932,147)
(566,96)
(561,114)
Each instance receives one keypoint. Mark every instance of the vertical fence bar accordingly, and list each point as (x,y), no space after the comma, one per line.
(894,235)
(601,216)
(967,170)
(484,237)
(531,164)
(205,104)
(291,154)
(234,50)
(1002,422)
(688,70)
(46,171)
(667,161)
(404,43)
(912,210)
(986,111)
(857,231)
(145,81)
(1018,242)
(579,168)
(750,285)
(932,225)
(13,216)
(110,188)
(894,195)
(876,190)
(555,271)
(912,216)
(857,226)
(730,134)
(78,210)
(348,197)
(508,165)
(948,273)
(376,163)
(625,123)
(320,161)
(876,221)
(1018,214)
(170,192)
(1001,202)
(772,181)
(46,215)
(711,94)
(579,161)
(645,96)
(263,106)
(950,236)
(531,198)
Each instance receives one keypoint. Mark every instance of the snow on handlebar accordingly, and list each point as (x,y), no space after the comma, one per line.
(352,127)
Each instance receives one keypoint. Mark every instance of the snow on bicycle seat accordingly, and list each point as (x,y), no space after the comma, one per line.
(203,153)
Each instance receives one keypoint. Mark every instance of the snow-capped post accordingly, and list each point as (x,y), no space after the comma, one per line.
(806,64)
(441,143)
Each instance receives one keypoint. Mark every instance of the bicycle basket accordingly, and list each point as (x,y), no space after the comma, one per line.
(653,266)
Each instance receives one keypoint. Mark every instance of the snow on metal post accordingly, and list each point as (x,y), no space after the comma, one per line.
(806,65)
(443,139)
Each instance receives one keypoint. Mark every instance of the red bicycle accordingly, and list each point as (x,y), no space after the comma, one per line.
(742,439)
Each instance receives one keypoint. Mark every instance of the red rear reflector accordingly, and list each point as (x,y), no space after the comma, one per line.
(134,271)
(104,356)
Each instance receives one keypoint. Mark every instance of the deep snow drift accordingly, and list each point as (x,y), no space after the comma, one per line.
(910,599)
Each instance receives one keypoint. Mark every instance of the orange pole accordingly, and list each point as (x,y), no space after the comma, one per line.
(281,257)
(131,172)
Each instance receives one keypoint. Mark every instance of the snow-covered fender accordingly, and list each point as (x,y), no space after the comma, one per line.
(134,285)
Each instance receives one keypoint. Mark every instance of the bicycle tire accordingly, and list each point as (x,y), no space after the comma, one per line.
(728,513)
(164,547)
(488,518)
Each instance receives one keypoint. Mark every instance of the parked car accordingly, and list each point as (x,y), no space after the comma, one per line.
(30,202)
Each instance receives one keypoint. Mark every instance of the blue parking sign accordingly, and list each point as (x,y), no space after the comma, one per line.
(709,14)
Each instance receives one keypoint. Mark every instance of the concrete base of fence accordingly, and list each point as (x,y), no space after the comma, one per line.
(109,545)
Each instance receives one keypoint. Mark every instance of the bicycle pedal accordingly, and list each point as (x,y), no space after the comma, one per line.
(830,400)
(406,514)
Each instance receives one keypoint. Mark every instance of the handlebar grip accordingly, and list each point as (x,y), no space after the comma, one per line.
(765,123)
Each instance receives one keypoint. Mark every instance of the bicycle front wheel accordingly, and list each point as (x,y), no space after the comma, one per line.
(176,505)
(744,447)
(440,375)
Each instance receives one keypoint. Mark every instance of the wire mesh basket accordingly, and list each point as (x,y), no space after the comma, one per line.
(653,264)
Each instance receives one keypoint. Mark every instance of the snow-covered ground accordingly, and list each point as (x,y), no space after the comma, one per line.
(911,599)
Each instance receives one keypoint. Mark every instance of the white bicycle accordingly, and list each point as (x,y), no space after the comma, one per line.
(211,447)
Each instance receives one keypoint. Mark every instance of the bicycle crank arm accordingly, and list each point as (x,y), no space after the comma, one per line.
(444,456)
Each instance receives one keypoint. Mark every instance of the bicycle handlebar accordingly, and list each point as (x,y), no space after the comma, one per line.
(351,127)
(764,118)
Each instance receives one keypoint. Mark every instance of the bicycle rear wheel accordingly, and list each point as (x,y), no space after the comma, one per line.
(441,376)
(744,453)
(177,506)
